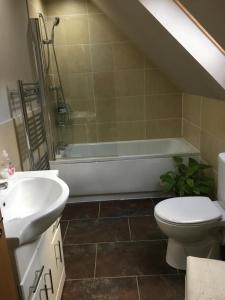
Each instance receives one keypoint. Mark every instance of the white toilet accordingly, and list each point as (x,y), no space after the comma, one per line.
(194,225)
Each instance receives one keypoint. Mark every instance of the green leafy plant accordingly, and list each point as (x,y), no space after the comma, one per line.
(188,179)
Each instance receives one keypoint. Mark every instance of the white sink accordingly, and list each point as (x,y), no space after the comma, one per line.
(31,204)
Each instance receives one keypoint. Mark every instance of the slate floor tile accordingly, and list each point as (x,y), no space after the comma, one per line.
(124,208)
(98,230)
(101,289)
(81,211)
(166,287)
(79,261)
(132,258)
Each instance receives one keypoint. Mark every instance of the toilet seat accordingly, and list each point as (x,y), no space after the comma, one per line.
(187,211)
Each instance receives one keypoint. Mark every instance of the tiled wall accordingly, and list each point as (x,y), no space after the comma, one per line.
(113,91)
(204,125)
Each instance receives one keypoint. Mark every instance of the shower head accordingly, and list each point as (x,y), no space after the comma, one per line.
(56,21)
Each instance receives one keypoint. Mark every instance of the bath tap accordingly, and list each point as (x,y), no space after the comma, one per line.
(4,185)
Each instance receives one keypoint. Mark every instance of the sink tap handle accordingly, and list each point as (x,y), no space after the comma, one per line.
(3,185)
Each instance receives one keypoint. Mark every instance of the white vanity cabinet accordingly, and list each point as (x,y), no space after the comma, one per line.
(40,266)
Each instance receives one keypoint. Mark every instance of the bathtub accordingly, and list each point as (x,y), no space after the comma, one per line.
(119,168)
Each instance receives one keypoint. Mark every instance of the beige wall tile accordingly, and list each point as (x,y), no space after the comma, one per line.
(163,106)
(213,116)
(73,58)
(102,30)
(65,134)
(8,142)
(192,108)
(72,30)
(103,76)
(131,130)
(163,128)
(91,131)
(210,148)
(209,134)
(130,108)
(104,84)
(157,83)
(81,105)
(120,109)
(127,56)
(106,132)
(129,82)
(191,133)
(84,133)
(78,85)
(78,133)
(106,109)
(65,7)
(121,131)
(102,59)
(82,111)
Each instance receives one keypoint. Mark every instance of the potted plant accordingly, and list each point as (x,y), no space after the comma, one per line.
(188,179)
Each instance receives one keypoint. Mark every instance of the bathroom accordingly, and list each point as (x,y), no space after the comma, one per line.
(119,92)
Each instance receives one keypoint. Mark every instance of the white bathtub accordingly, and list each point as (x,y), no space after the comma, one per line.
(119,167)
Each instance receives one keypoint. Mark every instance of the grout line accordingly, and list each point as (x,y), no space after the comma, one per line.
(75,14)
(113,242)
(138,290)
(193,124)
(96,253)
(92,74)
(125,276)
(128,221)
(68,222)
(182,114)
(145,112)
(153,203)
(99,209)
(120,217)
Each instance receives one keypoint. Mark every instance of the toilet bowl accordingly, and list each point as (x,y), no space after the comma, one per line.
(195,226)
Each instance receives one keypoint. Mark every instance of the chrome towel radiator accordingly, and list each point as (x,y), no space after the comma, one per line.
(32,112)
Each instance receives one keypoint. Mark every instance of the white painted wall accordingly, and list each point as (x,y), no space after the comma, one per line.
(14,51)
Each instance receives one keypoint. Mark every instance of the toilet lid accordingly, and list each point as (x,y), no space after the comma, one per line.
(187,210)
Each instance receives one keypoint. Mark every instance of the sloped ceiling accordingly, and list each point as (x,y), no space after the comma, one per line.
(161,47)
(211,14)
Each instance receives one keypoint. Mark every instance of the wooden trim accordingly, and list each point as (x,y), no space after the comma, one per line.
(198,24)
(8,288)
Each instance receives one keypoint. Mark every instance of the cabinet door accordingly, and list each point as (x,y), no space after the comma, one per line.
(46,258)
(42,290)
(58,267)
(51,256)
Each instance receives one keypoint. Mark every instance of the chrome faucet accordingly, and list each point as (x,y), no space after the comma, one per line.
(4,185)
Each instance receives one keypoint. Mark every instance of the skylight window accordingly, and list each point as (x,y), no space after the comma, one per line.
(187,12)
(176,19)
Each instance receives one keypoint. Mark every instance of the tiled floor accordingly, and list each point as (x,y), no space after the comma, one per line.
(115,251)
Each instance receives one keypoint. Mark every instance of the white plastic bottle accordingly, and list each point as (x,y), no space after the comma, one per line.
(7,167)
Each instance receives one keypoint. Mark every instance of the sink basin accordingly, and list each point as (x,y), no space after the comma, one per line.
(30,205)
